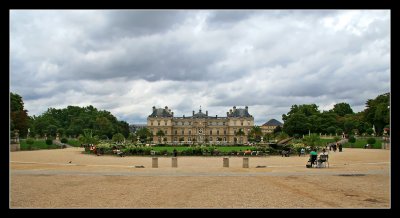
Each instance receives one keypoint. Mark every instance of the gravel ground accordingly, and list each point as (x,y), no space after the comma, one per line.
(66,178)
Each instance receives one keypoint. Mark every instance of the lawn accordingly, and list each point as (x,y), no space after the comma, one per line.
(38,144)
(74,142)
(361,142)
(221,148)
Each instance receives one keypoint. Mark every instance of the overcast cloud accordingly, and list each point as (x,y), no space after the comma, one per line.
(126,61)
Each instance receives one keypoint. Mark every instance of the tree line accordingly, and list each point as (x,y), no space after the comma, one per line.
(67,122)
(305,118)
(300,120)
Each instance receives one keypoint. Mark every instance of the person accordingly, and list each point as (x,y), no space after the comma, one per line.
(175,152)
(330,147)
(324,152)
(334,147)
(340,147)
(302,152)
(366,146)
(313,156)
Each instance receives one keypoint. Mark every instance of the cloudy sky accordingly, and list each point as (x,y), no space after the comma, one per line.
(126,61)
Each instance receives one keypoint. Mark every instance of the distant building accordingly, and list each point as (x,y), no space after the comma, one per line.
(200,127)
(270,126)
(135,127)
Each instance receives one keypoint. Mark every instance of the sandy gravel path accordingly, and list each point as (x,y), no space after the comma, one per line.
(66,178)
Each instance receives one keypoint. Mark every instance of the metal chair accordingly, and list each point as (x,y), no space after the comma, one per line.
(323,160)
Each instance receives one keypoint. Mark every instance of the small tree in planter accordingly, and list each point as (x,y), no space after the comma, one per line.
(352,140)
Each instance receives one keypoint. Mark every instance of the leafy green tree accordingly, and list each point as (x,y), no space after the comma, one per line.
(118,137)
(277,129)
(342,109)
(18,115)
(312,140)
(87,137)
(377,112)
(339,131)
(255,133)
(331,130)
(144,135)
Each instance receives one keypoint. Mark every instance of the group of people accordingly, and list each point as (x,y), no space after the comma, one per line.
(314,156)
(334,147)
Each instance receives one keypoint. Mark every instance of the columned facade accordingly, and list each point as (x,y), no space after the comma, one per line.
(200,127)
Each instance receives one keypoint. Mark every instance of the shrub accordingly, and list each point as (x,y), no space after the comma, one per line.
(369,131)
(30,141)
(371,141)
(49,141)
(352,139)
(64,140)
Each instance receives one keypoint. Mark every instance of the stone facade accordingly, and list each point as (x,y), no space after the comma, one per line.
(270,126)
(200,127)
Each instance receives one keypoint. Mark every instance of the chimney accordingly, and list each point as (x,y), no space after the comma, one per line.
(234,108)
(193,113)
(166,107)
(216,116)
(227,114)
(246,108)
(154,108)
(183,116)
(206,113)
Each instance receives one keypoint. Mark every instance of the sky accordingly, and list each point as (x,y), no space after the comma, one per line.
(127,61)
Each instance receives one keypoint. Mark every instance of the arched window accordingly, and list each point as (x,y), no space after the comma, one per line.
(210,132)
(217,132)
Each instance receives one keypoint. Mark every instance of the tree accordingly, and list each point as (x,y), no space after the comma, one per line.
(277,129)
(144,134)
(339,131)
(255,133)
(342,109)
(18,116)
(312,140)
(87,137)
(160,134)
(118,137)
(377,112)
(331,130)
(352,140)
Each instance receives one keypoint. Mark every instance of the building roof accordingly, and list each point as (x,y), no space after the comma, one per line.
(161,112)
(273,122)
(239,112)
(200,115)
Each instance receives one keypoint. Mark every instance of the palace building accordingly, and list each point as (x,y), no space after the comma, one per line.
(200,127)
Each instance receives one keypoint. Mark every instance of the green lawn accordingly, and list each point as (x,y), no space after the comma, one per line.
(38,144)
(181,148)
(74,142)
(361,142)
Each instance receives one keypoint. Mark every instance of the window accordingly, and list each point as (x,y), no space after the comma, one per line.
(190,132)
(151,123)
(224,132)
(211,139)
(182,131)
(189,139)
(210,132)
(158,122)
(217,132)
(165,123)
(190,123)
(166,132)
(223,123)
(176,132)
(241,123)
